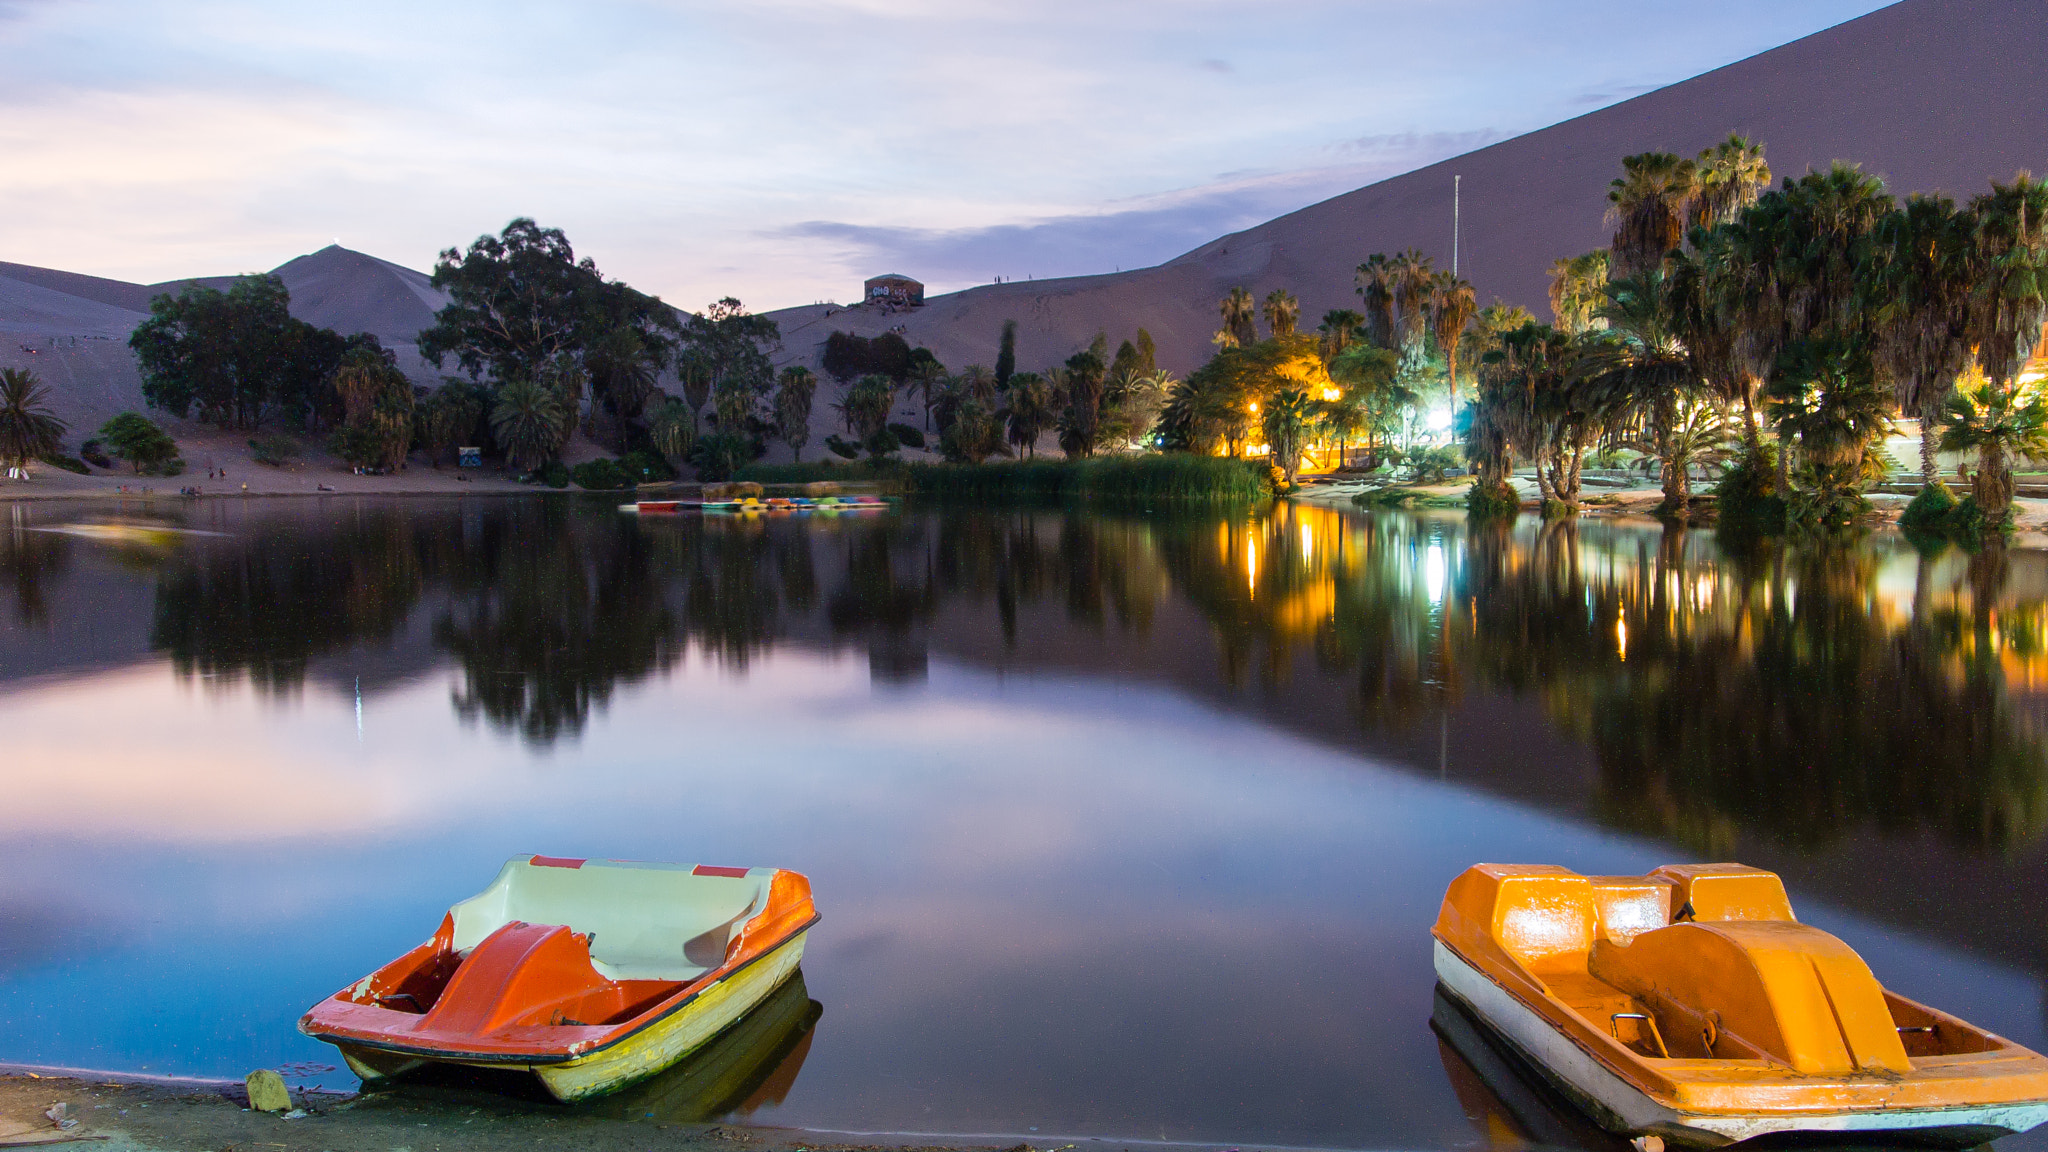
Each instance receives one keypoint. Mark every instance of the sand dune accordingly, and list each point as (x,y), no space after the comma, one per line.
(1935,95)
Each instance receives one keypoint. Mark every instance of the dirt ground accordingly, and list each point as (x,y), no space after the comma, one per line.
(206,1116)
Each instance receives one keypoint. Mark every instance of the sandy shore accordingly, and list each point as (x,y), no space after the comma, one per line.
(137,1115)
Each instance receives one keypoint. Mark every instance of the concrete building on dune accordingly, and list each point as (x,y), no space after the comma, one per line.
(895,289)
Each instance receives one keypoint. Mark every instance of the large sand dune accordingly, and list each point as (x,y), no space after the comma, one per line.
(1935,95)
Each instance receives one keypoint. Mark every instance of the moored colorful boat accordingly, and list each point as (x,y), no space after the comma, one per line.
(590,974)
(1689,1004)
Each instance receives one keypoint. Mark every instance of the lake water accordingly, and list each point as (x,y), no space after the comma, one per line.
(1121,825)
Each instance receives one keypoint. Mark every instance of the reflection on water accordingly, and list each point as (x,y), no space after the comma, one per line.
(1004,742)
(746,1068)
(1796,693)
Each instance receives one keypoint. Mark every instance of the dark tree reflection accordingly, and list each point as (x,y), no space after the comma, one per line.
(1723,685)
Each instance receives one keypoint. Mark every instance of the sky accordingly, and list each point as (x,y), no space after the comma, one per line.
(780,150)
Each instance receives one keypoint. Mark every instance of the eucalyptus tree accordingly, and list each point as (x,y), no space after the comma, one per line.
(28,429)
(1921,287)
(1282,312)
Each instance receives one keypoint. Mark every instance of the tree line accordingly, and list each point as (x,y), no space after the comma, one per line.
(1775,334)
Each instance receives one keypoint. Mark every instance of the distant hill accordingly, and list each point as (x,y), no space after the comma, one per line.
(73,330)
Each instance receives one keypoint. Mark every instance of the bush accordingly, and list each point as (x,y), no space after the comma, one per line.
(643,467)
(1930,509)
(67,463)
(1490,500)
(1747,494)
(356,445)
(1431,465)
(1935,512)
(273,448)
(600,475)
(136,439)
(554,474)
(95,455)
(1827,497)
(720,454)
(842,448)
(907,435)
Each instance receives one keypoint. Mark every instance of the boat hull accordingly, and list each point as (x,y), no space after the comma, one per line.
(644,1052)
(1619,1106)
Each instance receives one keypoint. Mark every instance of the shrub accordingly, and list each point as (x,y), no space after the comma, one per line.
(67,463)
(357,445)
(643,467)
(1497,499)
(554,474)
(1930,509)
(1431,465)
(95,454)
(1828,496)
(907,435)
(273,448)
(600,475)
(842,448)
(136,439)
(1747,494)
(720,454)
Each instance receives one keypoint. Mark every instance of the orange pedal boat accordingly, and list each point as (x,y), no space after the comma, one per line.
(1689,1004)
(591,974)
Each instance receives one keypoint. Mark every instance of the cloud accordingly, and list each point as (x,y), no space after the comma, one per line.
(1215,66)
(1148,231)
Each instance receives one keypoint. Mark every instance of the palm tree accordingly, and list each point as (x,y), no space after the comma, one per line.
(1282,312)
(1285,418)
(674,432)
(865,405)
(1640,371)
(1576,290)
(1339,327)
(28,430)
(795,389)
(1921,284)
(1451,308)
(1376,289)
(1649,206)
(1030,410)
(527,422)
(1999,422)
(1729,176)
(1240,328)
(2011,298)
(1414,284)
